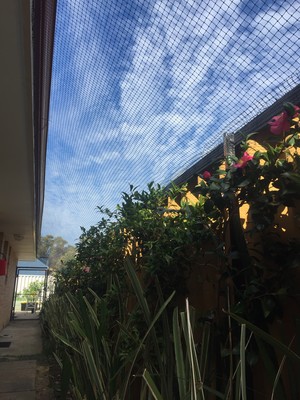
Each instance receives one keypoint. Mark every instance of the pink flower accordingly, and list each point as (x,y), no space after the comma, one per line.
(243,160)
(282,122)
(86,269)
(206,175)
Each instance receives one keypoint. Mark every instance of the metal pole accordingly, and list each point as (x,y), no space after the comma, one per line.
(229,147)
(13,305)
(45,285)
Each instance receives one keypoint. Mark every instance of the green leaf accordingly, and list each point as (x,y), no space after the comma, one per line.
(214,186)
(138,290)
(220,172)
(92,313)
(277,378)
(216,393)
(244,183)
(258,154)
(66,342)
(150,322)
(289,108)
(208,206)
(66,374)
(197,392)
(95,373)
(267,338)
(225,186)
(243,361)
(180,367)
(152,386)
(204,349)
(271,369)
(268,305)
(292,176)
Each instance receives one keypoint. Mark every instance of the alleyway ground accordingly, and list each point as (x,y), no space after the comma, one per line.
(24,372)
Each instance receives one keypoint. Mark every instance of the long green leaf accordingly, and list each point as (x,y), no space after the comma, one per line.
(152,386)
(243,362)
(196,376)
(96,377)
(204,349)
(168,345)
(92,313)
(277,378)
(190,352)
(138,290)
(79,328)
(154,320)
(180,367)
(215,392)
(267,355)
(66,374)
(147,315)
(195,381)
(267,338)
(58,360)
(66,342)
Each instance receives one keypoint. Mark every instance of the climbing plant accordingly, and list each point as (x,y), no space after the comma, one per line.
(267,178)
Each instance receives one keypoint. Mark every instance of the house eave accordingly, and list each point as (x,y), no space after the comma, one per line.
(27,28)
(44,13)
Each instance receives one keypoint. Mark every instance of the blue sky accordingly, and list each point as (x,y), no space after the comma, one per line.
(143,89)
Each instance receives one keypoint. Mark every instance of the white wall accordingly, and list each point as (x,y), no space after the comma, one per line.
(23,281)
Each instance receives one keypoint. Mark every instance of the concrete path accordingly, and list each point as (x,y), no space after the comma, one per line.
(23,369)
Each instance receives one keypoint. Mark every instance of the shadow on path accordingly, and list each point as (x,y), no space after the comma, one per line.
(23,367)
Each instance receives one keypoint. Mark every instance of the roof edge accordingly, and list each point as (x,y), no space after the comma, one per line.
(43,29)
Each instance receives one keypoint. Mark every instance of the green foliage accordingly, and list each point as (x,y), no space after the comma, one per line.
(163,243)
(86,334)
(113,332)
(268,182)
(33,291)
(89,346)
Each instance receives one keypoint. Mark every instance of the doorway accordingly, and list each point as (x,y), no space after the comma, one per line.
(30,291)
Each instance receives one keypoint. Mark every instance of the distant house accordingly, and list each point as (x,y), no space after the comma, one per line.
(28,272)
(26,41)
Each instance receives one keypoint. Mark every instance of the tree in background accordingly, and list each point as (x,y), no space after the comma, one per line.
(33,291)
(56,249)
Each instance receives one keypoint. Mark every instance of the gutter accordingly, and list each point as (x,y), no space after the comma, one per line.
(43,29)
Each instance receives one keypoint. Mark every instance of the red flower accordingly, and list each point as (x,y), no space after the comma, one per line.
(206,175)
(86,269)
(282,122)
(243,160)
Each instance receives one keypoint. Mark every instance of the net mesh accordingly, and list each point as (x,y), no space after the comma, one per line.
(141,90)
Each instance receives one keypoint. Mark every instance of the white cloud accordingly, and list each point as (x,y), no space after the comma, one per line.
(192,69)
(104,157)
